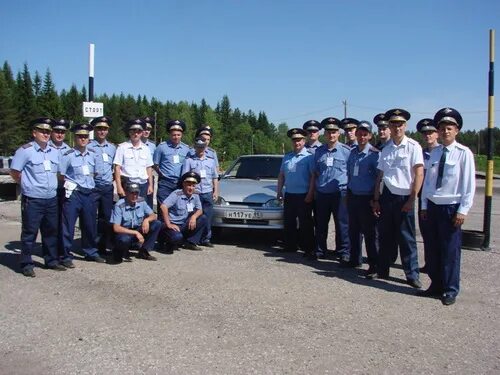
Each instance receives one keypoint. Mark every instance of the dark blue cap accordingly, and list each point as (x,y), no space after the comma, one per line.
(101,122)
(204,129)
(331,123)
(190,177)
(133,187)
(136,123)
(365,125)
(448,115)
(296,133)
(82,129)
(425,125)
(150,121)
(60,124)
(311,125)
(349,123)
(42,123)
(397,115)
(381,121)
(176,125)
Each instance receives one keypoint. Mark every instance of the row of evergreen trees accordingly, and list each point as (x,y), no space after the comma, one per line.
(24,97)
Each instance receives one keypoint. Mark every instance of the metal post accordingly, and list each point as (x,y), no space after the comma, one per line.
(155,127)
(91,72)
(489,147)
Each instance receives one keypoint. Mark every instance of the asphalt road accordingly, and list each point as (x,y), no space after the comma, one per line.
(243,308)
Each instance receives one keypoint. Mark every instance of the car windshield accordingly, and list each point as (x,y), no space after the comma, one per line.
(255,168)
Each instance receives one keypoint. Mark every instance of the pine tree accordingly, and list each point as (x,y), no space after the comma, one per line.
(48,102)
(10,139)
(24,100)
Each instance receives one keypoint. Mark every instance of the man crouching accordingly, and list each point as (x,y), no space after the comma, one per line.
(134,224)
(183,215)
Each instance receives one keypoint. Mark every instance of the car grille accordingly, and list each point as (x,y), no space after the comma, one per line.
(243,221)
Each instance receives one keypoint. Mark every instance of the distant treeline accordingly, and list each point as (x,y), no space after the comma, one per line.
(24,97)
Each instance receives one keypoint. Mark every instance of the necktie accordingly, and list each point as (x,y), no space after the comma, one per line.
(442,162)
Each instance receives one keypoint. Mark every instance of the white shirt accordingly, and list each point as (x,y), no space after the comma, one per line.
(133,161)
(458,183)
(397,163)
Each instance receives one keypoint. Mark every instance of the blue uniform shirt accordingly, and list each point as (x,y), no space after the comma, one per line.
(79,167)
(151,145)
(105,153)
(331,168)
(169,159)
(209,152)
(205,168)
(297,169)
(312,148)
(38,170)
(130,216)
(61,150)
(180,206)
(362,170)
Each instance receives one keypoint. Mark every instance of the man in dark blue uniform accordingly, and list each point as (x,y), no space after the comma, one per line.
(312,127)
(447,197)
(183,216)
(362,173)
(134,224)
(35,166)
(296,177)
(78,169)
(430,135)
(103,191)
(168,159)
(384,132)
(330,168)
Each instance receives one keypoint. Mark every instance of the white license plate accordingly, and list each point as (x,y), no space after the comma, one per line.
(247,215)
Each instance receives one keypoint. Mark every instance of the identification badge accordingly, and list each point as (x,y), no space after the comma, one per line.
(203,173)
(329,162)
(356,170)
(292,167)
(105,158)
(175,159)
(85,170)
(190,207)
(46,165)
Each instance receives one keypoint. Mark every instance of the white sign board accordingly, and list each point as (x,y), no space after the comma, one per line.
(93,109)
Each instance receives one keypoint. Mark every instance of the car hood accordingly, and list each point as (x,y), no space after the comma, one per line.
(246,190)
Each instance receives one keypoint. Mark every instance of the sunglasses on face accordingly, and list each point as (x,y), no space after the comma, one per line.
(59,131)
(133,131)
(82,136)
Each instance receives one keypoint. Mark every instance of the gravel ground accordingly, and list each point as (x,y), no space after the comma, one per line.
(242,308)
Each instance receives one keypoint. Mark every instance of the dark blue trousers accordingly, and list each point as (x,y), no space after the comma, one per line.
(194,236)
(60,202)
(327,205)
(397,229)
(362,223)
(103,200)
(207,205)
(444,245)
(39,214)
(123,242)
(149,197)
(424,231)
(80,205)
(296,208)
(164,189)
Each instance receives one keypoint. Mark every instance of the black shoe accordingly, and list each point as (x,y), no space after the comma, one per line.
(344,259)
(192,246)
(144,254)
(68,263)
(168,249)
(415,283)
(350,264)
(424,269)
(56,267)
(286,250)
(95,258)
(448,300)
(310,255)
(115,261)
(430,292)
(377,275)
(103,253)
(28,272)
(370,272)
(207,244)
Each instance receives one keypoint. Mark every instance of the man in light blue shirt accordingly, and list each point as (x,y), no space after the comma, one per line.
(35,166)
(296,181)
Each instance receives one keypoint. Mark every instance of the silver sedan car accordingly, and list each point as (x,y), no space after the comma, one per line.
(247,194)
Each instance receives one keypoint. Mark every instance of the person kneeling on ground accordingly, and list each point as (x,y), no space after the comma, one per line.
(134,224)
(183,215)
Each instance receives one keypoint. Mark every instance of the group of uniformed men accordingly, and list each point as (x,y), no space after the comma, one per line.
(371,193)
(60,184)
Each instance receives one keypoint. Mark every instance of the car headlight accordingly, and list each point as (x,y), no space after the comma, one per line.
(221,202)
(274,203)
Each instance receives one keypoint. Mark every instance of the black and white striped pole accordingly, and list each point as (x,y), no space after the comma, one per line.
(91,72)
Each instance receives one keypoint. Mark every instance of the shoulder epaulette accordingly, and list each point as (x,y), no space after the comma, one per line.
(140,199)
(69,152)
(412,141)
(183,144)
(348,148)
(27,145)
(374,149)
(90,149)
(162,143)
(121,204)
(179,192)
(461,147)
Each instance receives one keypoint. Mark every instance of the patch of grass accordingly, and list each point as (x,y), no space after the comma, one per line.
(481,161)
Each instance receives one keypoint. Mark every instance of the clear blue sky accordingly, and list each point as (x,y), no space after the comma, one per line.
(295,60)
